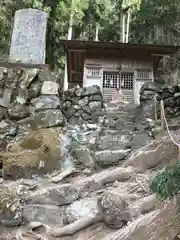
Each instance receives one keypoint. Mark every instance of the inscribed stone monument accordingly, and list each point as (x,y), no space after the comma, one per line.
(29,36)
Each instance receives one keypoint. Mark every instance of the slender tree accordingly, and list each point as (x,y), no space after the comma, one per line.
(129,7)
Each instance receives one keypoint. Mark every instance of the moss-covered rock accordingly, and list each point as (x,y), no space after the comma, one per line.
(38,152)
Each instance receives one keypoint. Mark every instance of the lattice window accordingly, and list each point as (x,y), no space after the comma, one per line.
(126,80)
(110,79)
(143,74)
(123,80)
(93,72)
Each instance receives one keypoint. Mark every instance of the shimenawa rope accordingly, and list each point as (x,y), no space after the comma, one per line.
(166,123)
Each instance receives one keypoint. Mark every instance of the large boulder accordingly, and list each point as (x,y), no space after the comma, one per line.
(38,152)
(114,209)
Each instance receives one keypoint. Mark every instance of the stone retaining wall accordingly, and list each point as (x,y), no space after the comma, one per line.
(83,105)
(32,98)
(168,93)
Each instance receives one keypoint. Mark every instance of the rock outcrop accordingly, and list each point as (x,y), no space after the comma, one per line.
(114,209)
(34,99)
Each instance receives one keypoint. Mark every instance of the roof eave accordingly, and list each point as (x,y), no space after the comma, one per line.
(154,49)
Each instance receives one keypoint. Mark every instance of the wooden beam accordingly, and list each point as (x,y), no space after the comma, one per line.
(68,56)
(119,55)
(7,64)
(76,50)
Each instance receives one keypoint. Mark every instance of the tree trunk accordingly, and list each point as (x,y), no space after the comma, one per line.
(50,35)
(123,26)
(76,226)
(127,232)
(128,24)
(70,30)
(97,32)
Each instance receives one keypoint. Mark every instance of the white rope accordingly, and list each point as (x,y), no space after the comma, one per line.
(165,120)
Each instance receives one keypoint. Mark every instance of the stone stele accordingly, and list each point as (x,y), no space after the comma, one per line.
(29,36)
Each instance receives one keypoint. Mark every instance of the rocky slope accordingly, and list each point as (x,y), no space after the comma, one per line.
(102,191)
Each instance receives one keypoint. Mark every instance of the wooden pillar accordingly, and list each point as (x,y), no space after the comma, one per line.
(65,85)
(155,109)
(162,115)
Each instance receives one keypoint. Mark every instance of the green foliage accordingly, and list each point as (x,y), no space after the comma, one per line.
(162,13)
(166,184)
(134,4)
(88,14)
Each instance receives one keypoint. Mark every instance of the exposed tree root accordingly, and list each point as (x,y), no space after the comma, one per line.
(63,175)
(75,226)
(126,232)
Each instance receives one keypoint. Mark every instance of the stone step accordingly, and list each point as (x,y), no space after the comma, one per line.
(113,105)
(121,121)
(107,158)
(120,126)
(121,139)
(113,132)
(112,109)
(119,114)
(116,142)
